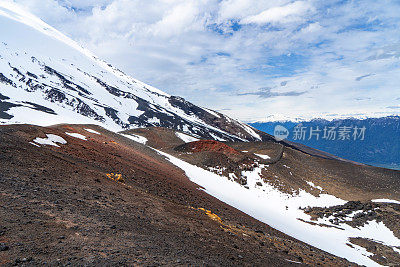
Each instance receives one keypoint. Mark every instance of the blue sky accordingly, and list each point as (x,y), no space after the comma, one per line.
(251,59)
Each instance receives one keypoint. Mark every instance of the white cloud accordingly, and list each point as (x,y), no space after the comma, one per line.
(208,51)
(49,9)
(281,14)
(183,17)
(312,28)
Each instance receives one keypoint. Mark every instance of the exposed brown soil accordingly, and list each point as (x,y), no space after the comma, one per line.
(382,254)
(62,206)
(273,149)
(158,137)
(388,213)
(343,179)
(290,167)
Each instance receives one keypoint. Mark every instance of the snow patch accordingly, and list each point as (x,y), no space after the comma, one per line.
(262,156)
(154,120)
(294,261)
(76,135)
(92,131)
(217,138)
(137,138)
(186,138)
(32,143)
(212,112)
(313,185)
(384,200)
(250,131)
(51,140)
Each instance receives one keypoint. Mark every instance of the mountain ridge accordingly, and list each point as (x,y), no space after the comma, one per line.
(61,82)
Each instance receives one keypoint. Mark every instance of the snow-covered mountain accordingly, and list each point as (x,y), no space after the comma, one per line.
(47,78)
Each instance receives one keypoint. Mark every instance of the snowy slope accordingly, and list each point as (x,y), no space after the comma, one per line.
(282,211)
(47,78)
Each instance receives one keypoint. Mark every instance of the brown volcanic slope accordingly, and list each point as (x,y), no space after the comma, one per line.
(340,178)
(218,149)
(208,145)
(289,166)
(58,206)
(158,137)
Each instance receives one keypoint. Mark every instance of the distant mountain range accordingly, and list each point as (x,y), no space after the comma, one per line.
(380,145)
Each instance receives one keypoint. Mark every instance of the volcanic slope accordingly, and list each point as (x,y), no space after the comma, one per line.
(350,210)
(82,195)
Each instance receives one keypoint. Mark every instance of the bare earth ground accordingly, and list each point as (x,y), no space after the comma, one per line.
(59,207)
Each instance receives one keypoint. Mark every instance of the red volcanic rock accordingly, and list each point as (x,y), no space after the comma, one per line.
(209,146)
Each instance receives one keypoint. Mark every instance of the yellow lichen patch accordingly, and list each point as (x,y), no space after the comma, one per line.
(211,215)
(273,242)
(116,177)
(215,217)
(224,226)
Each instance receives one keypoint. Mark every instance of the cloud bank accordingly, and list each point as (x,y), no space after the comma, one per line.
(313,58)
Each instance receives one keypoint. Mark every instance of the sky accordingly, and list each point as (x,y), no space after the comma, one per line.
(254,60)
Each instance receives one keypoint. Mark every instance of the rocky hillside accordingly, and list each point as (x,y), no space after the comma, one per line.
(81,195)
(347,209)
